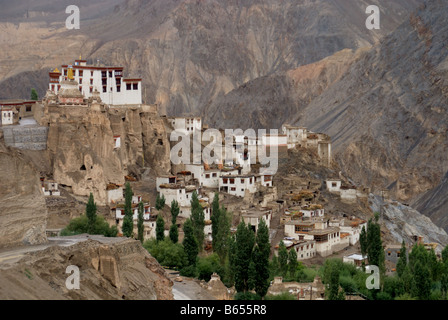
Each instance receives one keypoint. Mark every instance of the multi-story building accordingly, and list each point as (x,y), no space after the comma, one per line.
(113,87)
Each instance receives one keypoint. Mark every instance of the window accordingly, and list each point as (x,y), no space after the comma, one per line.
(104,89)
(110,74)
(91,89)
(135,86)
(242,180)
(207,176)
(91,73)
(214,175)
(80,80)
(128,86)
(91,82)
(334,184)
(65,72)
(225,180)
(232,181)
(81,73)
(118,88)
(233,189)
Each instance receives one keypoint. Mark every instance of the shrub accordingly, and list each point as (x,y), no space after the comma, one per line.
(167,253)
(81,225)
(281,296)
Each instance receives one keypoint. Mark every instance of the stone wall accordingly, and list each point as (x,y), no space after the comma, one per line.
(26,138)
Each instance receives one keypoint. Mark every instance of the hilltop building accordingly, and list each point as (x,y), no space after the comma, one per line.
(114,89)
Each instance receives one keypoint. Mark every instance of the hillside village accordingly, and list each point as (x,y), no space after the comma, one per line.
(307,204)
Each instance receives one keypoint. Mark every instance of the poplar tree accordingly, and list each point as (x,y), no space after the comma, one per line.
(190,243)
(260,257)
(197,219)
(140,225)
(292,262)
(91,214)
(128,221)
(160,229)
(174,233)
(160,202)
(402,261)
(221,246)
(244,243)
(283,259)
(34,95)
(216,211)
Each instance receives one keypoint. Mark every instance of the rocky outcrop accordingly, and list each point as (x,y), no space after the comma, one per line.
(404,222)
(23,212)
(116,269)
(83,153)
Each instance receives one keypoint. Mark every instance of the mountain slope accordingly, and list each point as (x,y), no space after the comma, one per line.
(388,114)
(189,52)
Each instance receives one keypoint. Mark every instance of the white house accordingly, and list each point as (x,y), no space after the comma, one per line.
(237,184)
(165,179)
(188,125)
(114,193)
(355,259)
(327,239)
(7,116)
(117,142)
(109,81)
(352,227)
(334,185)
(295,135)
(254,216)
(182,194)
(305,249)
(50,188)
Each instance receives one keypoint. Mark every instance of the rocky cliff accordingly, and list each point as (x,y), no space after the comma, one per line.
(23,212)
(82,150)
(109,269)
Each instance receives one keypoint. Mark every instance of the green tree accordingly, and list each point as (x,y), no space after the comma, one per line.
(34,95)
(422,278)
(160,202)
(197,219)
(128,220)
(168,254)
(81,225)
(260,258)
(160,228)
(174,233)
(221,246)
(140,225)
(292,262)
(403,260)
(375,251)
(363,241)
(332,271)
(190,243)
(91,213)
(244,243)
(283,259)
(216,211)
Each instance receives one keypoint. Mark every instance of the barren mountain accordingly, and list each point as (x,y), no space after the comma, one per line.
(387,115)
(189,52)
